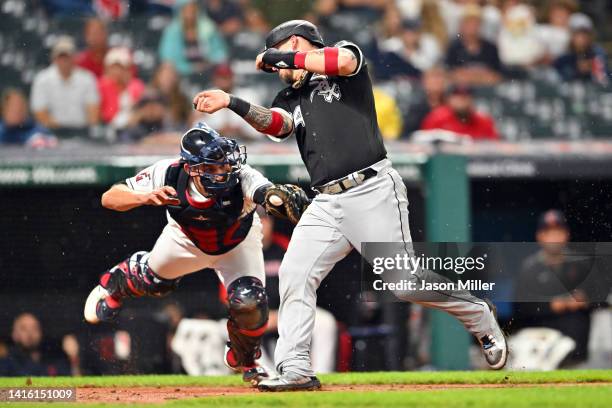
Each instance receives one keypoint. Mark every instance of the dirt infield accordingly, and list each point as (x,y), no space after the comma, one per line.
(151,395)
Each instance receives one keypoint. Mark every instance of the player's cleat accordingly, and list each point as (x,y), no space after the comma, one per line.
(494,346)
(251,374)
(254,375)
(98,306)
(290,382)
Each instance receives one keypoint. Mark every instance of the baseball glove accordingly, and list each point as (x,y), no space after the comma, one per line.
(286,201)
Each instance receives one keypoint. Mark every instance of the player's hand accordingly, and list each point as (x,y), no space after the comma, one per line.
(260,66)
(211,101)
(162,196)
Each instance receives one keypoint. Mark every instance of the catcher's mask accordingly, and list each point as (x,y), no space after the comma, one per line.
(215,159)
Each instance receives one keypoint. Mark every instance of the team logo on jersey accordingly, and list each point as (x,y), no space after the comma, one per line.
(143,178)
(327,91)
(298,119)
(200,218)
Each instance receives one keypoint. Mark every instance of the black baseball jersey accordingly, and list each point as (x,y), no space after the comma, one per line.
(334,121)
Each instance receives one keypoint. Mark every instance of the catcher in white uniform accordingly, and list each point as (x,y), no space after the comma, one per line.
(210,195)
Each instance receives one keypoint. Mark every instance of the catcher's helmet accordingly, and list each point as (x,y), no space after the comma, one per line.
(302,28)
(202,147)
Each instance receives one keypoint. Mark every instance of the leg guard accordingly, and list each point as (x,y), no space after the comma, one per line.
(134,278)
(248,309)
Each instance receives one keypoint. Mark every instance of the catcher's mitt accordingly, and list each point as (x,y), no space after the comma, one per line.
(286,201)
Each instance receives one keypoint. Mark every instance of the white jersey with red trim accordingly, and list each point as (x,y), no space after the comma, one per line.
(154,176)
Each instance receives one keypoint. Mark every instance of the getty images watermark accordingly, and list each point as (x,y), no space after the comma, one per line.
(505,272)
(413,264)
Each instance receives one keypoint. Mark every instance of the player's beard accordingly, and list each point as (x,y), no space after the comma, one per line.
(293,77)
(286,75)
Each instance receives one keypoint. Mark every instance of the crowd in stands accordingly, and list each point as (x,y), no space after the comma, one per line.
(446,49)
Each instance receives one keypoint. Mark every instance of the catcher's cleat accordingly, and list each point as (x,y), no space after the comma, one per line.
(290,382)
(494,346)
(252,374)
(100,307)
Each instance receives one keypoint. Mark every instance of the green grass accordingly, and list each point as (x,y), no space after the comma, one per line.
(413,377)
(548,396)
(570,397)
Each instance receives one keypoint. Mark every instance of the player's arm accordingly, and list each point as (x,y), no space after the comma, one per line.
(343,60)
(120,197)
(273,121)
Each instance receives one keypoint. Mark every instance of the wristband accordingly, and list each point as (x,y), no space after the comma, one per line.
(239,106)
(279,59)
(331,60)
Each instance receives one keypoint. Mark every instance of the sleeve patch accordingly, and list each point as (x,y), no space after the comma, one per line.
(143,178)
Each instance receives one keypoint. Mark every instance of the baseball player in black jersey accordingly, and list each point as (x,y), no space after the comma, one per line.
(210,195)
(329,107)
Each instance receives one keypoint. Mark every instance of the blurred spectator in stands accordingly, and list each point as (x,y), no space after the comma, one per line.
(472,59)
(64,97)
(172,313)
(433,23)
(417,49)
(393,55)
(453,11)
(519,41)
(458,115)
(554,34)
(151,7)
(96,41)
(425,98)
(255,21)
(548,272)
(166,81)
(68,8)
(427,11)
(227,14)
(119,89)
(390,25)
(225,121)
(149,118)
(26,356)
(16,126)
(388,114)
(191,41)
(329,7)
(325,337)
(111,9)
(585,61)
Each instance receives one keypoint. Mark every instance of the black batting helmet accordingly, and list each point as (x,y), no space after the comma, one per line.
(302,28)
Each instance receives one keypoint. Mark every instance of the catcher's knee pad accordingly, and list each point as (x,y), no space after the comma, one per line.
(248,309)
(134,278)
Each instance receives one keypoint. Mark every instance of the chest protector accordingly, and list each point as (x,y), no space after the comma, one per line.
(214,226)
